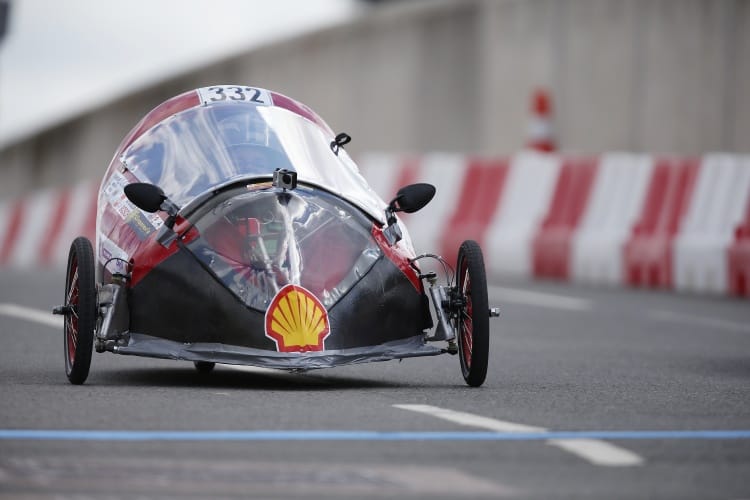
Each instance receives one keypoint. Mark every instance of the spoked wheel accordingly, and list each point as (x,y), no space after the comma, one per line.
(80,310)
(473,321)
(204,366)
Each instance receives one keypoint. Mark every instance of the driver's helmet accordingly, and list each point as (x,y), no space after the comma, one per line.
(249,140)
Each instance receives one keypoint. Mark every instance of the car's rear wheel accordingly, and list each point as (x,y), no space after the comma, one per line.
(473,320)
(204,366)
(80,315)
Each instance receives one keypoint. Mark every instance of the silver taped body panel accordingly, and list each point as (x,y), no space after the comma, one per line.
(145,345)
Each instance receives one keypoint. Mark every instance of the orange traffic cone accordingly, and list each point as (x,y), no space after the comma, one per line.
(540,126)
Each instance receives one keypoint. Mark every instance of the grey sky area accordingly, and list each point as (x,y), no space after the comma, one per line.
(63,57)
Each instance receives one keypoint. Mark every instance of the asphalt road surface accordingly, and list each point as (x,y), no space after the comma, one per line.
(591,393)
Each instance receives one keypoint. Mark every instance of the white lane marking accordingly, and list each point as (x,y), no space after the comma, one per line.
(594,451)
(525,297)
(30,314)
(598,452)
(688,319)
(470,420)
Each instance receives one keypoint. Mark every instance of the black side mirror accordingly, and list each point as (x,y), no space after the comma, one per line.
(413,197)
(409,199)
(145,196)
(150,198)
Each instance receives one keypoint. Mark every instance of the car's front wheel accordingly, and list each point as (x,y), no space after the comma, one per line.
(473,320)
(80,310)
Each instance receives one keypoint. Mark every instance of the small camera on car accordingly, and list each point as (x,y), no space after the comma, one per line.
(284,179)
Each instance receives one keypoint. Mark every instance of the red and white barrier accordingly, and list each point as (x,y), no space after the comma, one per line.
(616,197)
(619,219)
(739,256)
(522,207)
(36,231)
(481,192)
(719,198)
(496,201)
(551,248)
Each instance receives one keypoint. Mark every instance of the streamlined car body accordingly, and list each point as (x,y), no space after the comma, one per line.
(233,227)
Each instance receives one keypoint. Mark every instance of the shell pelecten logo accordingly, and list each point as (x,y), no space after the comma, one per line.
(296,321)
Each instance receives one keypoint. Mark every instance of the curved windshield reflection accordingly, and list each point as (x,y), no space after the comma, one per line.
(259,239)
(206,146)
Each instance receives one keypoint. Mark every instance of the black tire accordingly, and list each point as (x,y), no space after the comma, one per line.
(204,366)
(80,323)
(473,321)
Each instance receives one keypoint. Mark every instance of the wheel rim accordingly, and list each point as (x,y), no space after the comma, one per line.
(466,323)
(71,320)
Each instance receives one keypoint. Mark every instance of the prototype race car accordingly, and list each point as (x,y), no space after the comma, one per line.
(233,227)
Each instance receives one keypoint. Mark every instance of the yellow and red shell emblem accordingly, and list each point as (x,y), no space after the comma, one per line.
(296,321)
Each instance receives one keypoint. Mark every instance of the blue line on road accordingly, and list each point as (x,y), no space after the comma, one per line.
(301,435)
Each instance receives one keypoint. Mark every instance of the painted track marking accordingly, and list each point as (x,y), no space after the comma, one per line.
(689,319)
(471,420)
(30,314)
(528,298)
(598,452)
(593,450)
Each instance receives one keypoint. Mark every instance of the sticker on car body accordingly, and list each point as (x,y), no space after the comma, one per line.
(234,93)
(296,321)
(115,258)
(142,223)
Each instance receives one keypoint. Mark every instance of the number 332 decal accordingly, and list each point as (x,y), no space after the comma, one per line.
(228,93)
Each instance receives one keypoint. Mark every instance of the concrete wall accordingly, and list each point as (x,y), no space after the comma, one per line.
(635,75)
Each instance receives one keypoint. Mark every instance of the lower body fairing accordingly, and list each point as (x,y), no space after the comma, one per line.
(181,311)
(145,345)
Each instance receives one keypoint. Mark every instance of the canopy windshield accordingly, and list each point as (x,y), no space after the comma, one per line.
(258,239)
(198,149)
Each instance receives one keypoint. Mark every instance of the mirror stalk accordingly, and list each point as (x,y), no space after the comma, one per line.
(171,209)
(392,231)
(167,234)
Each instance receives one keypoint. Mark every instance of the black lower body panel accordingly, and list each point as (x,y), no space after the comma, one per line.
(183,302)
